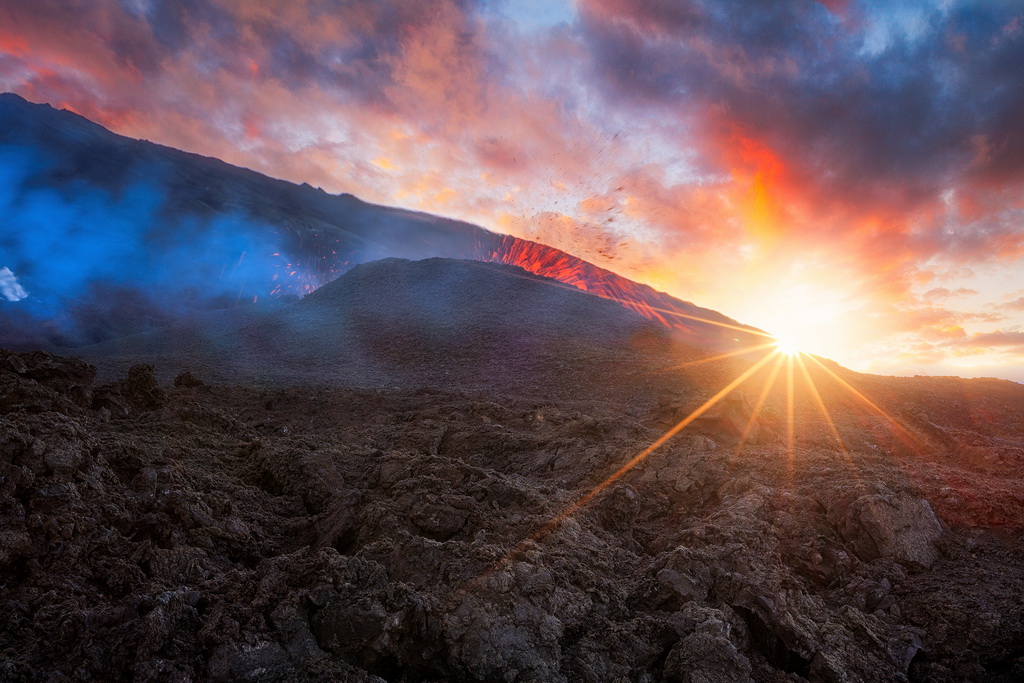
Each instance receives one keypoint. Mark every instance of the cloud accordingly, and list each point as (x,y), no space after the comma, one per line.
(9,287)
(999,338)
(1015,305)
(945,293)
(942,333)
(679,140)
(863,137)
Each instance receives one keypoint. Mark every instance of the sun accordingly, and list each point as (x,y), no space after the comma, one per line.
(787,346)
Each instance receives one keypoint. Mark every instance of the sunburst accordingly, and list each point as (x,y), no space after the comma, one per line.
(790,363)
(787,345)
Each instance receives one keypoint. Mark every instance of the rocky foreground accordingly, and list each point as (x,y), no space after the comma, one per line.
(195,532)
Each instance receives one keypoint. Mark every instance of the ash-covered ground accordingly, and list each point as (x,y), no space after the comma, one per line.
(386,501)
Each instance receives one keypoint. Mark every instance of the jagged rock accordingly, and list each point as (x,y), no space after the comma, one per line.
(138,392)
(400,536)
(348,624)
(684,586)
(50,370)
(897,527)
(15,363)
(441,519)
(188,380)
(708,655)
(37,382)
(730,420)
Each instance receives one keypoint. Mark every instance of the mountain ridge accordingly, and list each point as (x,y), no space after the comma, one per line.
(292,238)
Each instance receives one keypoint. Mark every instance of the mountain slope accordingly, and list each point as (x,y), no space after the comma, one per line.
(209,532)
(438,322)
(111,236)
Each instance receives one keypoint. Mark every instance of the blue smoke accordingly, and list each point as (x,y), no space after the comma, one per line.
(100,261)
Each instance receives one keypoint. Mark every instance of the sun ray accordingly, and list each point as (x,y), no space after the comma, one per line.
(721,356)
(756,411)
(677,314)
(639,457)
(790,417)
(916,442)
(820,403)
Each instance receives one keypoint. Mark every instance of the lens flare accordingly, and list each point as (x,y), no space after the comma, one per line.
(787,346)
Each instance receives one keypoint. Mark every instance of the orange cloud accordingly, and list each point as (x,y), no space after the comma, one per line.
(711,157)
(760,172)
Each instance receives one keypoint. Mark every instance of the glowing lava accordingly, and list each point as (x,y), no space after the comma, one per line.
(711,328)
(321,262)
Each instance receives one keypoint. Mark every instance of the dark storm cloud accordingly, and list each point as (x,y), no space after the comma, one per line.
(350,47)
(358,63)
(993,86)
(923,108)
(347,44)
(174,22)
(692,48)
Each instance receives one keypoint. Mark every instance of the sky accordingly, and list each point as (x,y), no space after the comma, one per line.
(846,174)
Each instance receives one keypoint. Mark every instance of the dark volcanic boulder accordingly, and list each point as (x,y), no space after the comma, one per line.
(897,527)
(38,381)
(137,393)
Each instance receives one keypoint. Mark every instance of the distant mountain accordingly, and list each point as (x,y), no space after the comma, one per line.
(104,236)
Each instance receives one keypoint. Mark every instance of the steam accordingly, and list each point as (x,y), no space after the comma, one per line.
(114,242)
(9,286)
(108,256)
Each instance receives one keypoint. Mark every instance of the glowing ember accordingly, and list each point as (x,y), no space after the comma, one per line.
(302,276)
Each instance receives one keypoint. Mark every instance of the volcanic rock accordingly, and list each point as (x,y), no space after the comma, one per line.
(35,380)
(406,518)
(897,527)
(138,392)
(187,379)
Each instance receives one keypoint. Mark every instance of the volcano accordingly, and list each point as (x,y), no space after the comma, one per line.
(434,465)
(138,235)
